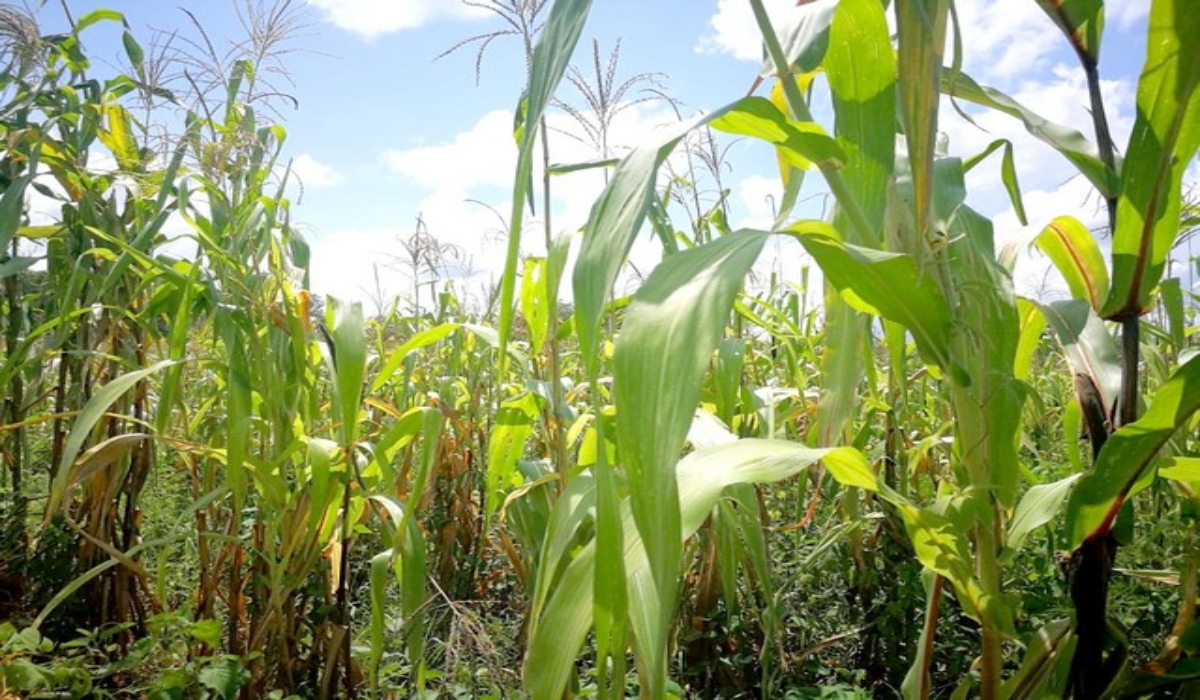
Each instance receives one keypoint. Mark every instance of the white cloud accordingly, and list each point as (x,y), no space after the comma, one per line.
(1006,40)
(1003,40)
(313,173)
(372,18)
(736,33)
(1126,13)
(759,196)
(459,176)
(486,154)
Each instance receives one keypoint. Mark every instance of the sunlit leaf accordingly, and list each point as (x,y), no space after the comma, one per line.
(1129,452)
(1074,251)
(670,331)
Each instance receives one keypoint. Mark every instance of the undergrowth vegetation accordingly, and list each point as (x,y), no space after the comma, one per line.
(218,484)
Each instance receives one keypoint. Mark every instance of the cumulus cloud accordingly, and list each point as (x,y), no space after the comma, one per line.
(734,31)
(1005,39)
(465,199)
(313,173)
(485,154)
(372,18)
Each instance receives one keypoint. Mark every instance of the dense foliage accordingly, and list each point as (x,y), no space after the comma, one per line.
(217,485)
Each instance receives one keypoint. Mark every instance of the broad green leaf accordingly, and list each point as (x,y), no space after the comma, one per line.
(97,16)
(842,345)
(1184,469)
(16,265)
(861,69)
(1171,294)
(429,336)
(618,213)
(1038,506)
(670,331)
(535,301)
(1073,145)
(349,364)
(512,426)
(551,57)
(224,677)
(12,207)
(558,632)
(1008,175)
(804,36)
(885,284)
(942,547)
(984,345)
(1073,250)
(799,142)
(133,51)
(1165,137)
(1129,452)
(921,41)
(91,414)
(1081,21)
(377,578)
(610,602)
(1033,322)
(1089,347)
(1045,669)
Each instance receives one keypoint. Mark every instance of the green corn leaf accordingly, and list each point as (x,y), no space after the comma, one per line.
(535,301)
(1008,174)
(1129,452)
(16,265)
(12,208)
(97,16)
(555,45)
(1165,137)
(1073,145)
(941,546)
(1182,469)
(1089,347)
(1045,670)
(380,568)
(1033,322)
(1171,293)
(1040,505)
(1074,251)
(134,52)
(861,68)
(512,426)
(429,336)
(349,365)
(562,623)
(91,414)
(885,284)
(921,40)
(1081,21)
(804,36)
(800,143)
(618,213)
(670,331)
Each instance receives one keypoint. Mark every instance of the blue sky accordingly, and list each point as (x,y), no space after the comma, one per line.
(384,132)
